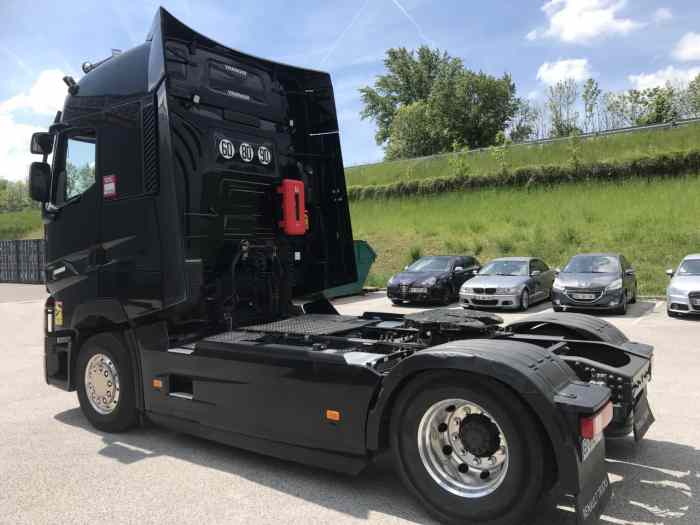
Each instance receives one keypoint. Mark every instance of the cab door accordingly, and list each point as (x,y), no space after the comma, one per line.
(72,222)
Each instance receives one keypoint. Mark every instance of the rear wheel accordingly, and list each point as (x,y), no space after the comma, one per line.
(469,450)
(105,383)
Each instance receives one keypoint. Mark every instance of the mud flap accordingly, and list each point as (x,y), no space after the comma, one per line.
(643,417)
(596,490)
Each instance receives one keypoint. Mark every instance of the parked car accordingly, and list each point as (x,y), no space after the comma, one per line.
(508,282)
(432,279)
(595,281)
(683,292)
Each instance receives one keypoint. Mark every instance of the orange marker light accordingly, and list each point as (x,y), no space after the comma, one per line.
(157,383)
(333,415)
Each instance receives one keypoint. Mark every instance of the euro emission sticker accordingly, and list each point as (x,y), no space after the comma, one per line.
(58,313)
(109,186)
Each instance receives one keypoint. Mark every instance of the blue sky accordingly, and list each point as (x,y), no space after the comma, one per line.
(622,44)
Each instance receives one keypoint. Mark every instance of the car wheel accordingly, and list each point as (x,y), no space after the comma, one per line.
(470,454)
(622,309)
(525,300)
(447,297)
(634,296)
(105,383)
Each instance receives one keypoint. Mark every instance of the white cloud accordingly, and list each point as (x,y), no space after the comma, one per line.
(671,75)
(552,72)
(580,21)
(688,48)
(662,14)
(42,100)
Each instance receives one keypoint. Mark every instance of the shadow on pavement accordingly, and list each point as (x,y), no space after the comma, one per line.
(653,481)
(639,309)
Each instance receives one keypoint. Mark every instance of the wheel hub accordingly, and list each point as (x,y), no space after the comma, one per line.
(102,384)
(463,448)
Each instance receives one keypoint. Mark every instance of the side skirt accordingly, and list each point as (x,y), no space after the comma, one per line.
(343,463)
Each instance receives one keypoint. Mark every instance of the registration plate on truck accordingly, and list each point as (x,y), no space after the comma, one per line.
(585,296)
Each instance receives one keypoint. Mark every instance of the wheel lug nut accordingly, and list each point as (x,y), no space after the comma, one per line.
(463,468)
(457,421)
(477,461)
(447,450)
(492,460)
(442,427)
(455,437)
(450,408)
(485,474)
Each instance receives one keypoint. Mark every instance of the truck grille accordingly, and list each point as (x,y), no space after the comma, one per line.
(486,291)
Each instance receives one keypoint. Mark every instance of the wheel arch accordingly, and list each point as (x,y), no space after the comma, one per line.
(552,424)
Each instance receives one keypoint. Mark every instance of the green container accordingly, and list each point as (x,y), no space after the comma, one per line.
(364,257)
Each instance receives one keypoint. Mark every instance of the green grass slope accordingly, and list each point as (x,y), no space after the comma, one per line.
(610,148)
(25,224)
(652,223)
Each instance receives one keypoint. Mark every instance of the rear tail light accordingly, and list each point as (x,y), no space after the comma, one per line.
(593,425)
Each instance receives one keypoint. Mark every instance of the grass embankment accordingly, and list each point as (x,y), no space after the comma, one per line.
(611,148)
(25,224)
(651,222)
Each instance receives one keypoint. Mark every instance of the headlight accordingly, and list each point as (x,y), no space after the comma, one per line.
(392,280)
(506,291)
(429,281)
(557,285)
(675,291)
(615,285)
(466,289)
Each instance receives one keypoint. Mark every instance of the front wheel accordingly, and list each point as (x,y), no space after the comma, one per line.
(525,300)
(105,383)
(468,450)
(622,309)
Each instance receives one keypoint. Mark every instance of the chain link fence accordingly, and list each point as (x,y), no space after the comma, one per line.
(22,261)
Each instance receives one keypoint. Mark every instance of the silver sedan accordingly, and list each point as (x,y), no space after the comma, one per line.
(508,282)
(683,292)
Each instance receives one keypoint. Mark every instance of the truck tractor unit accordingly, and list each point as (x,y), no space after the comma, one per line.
(195,210)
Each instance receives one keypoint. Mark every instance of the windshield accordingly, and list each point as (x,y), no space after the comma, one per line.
(592,264)
(505,268)
(430,264)
(689,267)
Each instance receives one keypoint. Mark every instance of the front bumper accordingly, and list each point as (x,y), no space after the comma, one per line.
(607,300)
(683,304)
(489,301)
(415,293)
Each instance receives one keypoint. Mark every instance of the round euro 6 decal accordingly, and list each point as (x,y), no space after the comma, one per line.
(264,155)
(247,152)
(226,149)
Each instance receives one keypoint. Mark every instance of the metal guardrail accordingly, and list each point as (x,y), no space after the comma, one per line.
(594,134)
(22,261)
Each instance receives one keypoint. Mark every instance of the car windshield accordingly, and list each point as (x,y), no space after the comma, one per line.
(592,264)
(505,268)
(430,264)
(689,267)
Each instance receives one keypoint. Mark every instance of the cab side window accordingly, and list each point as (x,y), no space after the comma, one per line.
(78,174)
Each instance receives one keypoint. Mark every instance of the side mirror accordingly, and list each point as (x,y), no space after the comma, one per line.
(557,271)
(405,267)
(40,181)
(670,272)
(629,271)
(459,269)
(42,143)
(535,273)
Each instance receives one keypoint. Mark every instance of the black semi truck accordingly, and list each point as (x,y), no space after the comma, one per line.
(194,211)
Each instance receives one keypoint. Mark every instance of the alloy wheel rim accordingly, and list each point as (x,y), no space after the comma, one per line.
(102,384)
(457,466)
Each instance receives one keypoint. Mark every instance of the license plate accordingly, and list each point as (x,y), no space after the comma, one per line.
(419,290)
(585,296)
(482,297)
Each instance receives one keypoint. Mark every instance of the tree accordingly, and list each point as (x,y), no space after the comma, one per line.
(656,106)
(693,94)
(460,106)
(409,79)
(523,125)
(591,94)
(561,102)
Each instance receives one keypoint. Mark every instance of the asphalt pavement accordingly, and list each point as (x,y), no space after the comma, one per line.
(55,468)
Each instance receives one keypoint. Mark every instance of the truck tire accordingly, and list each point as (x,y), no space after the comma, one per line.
(480,427)
(105,383)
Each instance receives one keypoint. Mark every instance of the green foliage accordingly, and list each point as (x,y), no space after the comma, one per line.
(20,224)
(647,220)
(607,149)
(14,196)
(415,253)
(663,165)
(427,101)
